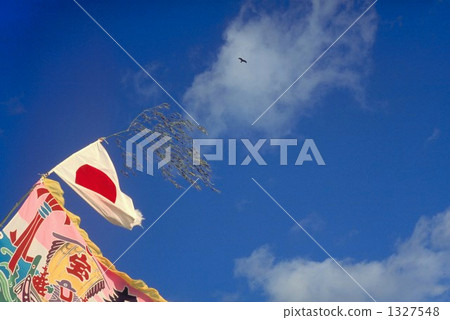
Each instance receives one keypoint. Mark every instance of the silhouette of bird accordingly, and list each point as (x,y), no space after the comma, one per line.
(242,60)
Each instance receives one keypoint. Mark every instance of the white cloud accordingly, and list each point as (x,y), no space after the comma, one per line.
(418,270)
(434,136)
(279,44)
(312,221)
(143,89)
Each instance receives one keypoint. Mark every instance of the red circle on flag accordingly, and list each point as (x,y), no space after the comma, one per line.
(96,180)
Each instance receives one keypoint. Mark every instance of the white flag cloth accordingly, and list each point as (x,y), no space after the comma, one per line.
(91,173)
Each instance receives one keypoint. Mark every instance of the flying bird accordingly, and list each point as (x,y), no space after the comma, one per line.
(242,60)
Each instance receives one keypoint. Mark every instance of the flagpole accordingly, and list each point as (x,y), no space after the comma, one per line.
(113,135)
(16,205)
(99,139)
(110,136)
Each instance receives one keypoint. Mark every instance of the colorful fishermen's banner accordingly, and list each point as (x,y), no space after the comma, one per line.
(46,256)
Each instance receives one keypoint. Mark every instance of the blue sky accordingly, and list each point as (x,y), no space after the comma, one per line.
(376,106)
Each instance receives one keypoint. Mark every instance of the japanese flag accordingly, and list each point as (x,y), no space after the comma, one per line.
(91,173)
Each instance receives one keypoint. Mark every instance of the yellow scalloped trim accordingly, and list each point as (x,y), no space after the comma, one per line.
(55,189)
